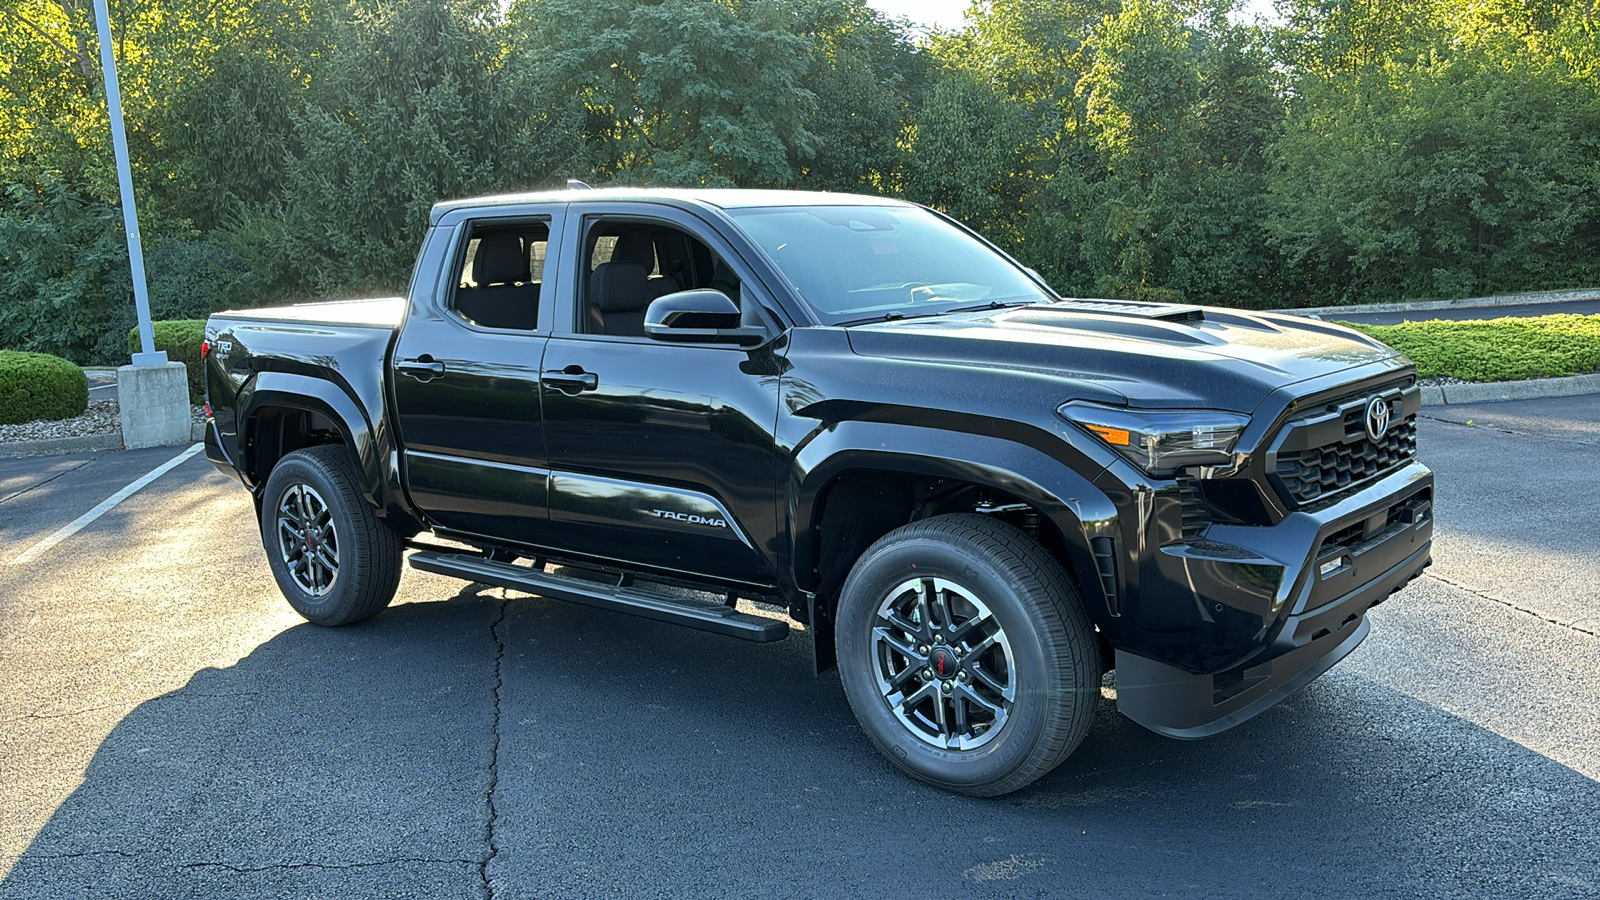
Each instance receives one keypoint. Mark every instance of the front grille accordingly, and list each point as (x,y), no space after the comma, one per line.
(1327,453)
(1312,474)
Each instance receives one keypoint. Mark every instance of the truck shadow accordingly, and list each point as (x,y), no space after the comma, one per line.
(634,758)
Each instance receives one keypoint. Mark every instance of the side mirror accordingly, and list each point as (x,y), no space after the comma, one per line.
(699,316)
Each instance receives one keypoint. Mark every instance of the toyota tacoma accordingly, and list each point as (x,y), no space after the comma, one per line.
(976,496)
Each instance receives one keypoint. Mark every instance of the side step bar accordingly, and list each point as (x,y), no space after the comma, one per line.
(634,601)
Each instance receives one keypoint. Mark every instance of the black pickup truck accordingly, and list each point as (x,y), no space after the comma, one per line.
(713,407)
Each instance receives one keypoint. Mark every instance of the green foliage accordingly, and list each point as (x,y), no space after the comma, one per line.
(181,339)
(967,157)
(39,386)
(1497,349)
(413,105)
(678,92)
(1365,150)
(1375,199)
(868,81)
(64,263)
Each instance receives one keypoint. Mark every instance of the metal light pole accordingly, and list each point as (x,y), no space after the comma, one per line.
(130,216)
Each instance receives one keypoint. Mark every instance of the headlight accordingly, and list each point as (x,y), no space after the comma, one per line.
(1161,441)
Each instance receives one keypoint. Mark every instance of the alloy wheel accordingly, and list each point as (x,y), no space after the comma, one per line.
(943,663)
(307,540)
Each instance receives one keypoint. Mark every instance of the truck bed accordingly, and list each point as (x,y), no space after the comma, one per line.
(378,312)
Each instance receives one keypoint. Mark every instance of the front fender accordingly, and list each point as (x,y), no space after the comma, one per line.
(1078,509)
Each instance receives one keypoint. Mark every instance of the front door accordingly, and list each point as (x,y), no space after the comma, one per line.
(466,377)
(662,455)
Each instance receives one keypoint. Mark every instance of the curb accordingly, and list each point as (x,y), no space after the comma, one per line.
(88,443)
(111,440)
(1466,303)
(1497,391)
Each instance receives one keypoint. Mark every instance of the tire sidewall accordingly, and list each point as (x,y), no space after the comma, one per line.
(334,605)
(884,568)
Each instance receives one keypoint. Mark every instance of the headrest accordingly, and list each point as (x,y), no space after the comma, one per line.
(616,287)
(501,259)
(635,246)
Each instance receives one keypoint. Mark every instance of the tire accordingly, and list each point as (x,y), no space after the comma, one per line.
(988,583)
(336,581)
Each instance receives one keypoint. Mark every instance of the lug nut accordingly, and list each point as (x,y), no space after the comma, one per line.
(966,676)
(945,686)
(923,649)
(927,674)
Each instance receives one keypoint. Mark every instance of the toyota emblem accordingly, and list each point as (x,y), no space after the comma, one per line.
(1377,418)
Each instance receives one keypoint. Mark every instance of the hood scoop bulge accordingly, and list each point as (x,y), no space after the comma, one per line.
(1165,323)
(1165,312)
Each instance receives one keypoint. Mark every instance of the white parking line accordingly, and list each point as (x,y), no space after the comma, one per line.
(105,506)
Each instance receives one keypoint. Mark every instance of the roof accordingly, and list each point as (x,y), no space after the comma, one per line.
(722,198)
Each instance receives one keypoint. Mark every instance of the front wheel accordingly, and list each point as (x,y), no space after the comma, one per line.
(334,560)
(966,654)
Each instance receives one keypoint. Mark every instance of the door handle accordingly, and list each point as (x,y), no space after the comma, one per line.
(424,368)
(572,380)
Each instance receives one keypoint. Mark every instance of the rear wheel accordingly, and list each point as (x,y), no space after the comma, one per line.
(334,560)
(966,654)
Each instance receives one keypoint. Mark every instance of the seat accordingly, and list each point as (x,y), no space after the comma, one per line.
(621,290)
(640,247)
(618,295)
(505,296)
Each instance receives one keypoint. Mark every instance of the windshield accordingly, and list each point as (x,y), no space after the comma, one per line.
(854,263)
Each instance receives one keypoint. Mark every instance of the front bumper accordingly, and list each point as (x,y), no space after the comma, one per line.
(1308,610)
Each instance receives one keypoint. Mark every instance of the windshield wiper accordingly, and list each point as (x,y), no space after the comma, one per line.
(891,316)
(992,304)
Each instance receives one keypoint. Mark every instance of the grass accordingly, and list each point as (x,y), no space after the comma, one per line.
(1496,349)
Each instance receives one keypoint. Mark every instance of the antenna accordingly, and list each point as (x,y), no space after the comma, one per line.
(574,184)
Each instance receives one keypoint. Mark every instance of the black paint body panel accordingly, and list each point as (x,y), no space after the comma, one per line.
(713,463)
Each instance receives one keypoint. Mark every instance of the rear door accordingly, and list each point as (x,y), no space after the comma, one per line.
(466,373)
(662,455)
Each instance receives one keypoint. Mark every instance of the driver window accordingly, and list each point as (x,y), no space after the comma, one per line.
(502,272)
(628,264)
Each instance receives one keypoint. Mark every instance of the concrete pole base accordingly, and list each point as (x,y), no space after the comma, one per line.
(154,405)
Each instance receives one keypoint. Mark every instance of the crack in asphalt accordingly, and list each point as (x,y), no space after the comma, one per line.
(1501,429)
(335,867)
(1521,609)
(38,715)
(1407,788)
(67,715)
(82,854)
(490,848)
(9,497)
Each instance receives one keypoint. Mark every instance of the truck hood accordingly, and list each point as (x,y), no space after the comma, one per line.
(1153,355)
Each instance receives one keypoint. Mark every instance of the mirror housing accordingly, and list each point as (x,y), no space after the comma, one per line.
(699,316)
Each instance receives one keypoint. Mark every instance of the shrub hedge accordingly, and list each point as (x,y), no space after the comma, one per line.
(40,386)
(181,338)
(1506,349)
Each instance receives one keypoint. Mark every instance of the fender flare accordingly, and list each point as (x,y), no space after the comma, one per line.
(295,391)
(1070,500)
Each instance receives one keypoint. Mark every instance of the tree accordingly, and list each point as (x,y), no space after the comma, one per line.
(868,79)
(687,92)
(415,104)
(1450,177)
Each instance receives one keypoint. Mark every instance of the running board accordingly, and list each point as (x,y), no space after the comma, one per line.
(634,601)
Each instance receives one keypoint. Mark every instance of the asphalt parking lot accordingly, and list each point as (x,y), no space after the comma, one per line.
(169,728)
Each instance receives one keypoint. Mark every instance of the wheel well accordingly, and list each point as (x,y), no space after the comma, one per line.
(276,431)
(859,507)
